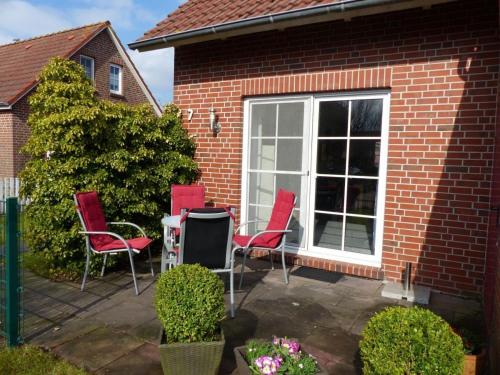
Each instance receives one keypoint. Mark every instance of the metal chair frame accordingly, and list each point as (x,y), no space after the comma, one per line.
(126,248)
(229,262)
(280,247)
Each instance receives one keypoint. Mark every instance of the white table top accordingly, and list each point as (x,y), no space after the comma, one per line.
(171,221)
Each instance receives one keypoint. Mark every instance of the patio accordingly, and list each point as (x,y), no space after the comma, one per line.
(109,330)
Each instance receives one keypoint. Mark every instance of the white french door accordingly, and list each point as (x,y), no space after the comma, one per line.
(332,152)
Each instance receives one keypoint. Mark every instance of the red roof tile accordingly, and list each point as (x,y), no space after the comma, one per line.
(196,14)
(20,62)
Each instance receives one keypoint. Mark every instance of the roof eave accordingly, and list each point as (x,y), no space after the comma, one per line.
(5,106)
(342,10)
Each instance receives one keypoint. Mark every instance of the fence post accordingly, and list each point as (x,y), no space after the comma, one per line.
(11,273)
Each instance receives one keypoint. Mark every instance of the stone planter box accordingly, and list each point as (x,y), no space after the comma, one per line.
(191,359)
(239,353)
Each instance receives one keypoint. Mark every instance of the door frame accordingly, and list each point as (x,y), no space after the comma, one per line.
(310,133)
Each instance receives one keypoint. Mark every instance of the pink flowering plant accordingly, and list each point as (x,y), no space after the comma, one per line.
(280,356)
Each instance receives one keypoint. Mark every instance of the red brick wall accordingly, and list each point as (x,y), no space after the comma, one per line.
(441,66)
(6,144)
(104,52)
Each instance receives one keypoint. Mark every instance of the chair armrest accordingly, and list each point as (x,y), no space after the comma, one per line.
(129,224)
(249,222)
(89,233)
(265,232)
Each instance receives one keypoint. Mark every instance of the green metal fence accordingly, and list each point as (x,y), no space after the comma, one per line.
(11,307)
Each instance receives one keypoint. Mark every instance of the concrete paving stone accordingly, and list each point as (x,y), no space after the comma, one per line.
(97,348)
(148,331)
(64,332)
(141,361)
(125,315)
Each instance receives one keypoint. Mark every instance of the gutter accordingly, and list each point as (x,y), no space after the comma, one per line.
(4,106)
(320,10)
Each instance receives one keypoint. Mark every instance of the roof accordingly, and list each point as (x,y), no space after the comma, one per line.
(202,20)
(20,62)
(195,14)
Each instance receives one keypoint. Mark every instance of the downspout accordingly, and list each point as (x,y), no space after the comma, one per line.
(338,7)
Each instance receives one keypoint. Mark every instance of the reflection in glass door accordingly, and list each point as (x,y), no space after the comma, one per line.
(277,158)
(346,176)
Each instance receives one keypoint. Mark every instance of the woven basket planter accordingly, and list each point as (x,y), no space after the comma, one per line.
(243,369)
(191,359)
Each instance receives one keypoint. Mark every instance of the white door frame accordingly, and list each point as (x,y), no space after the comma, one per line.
(309,156)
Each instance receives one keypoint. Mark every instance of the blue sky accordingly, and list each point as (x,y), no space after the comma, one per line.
(129,18)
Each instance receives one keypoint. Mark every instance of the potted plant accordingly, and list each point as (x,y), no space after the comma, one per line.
(279,356)
(189,302)
(474,349)
(413,340)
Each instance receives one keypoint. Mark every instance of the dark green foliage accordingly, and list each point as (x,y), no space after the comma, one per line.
(128,154)
(407,341)
(190,303)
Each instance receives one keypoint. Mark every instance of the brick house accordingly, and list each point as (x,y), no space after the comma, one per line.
(381,115)
(95,46)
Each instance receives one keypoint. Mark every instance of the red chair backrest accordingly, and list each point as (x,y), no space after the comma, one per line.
(93,217)
(186,196)
(280,217)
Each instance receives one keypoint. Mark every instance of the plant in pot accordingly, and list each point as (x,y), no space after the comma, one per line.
(279,356)
(474,349)
(189,302)
(407,341)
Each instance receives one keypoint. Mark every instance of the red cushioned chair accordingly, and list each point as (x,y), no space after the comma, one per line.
(188,197)
(273,238)
(100,240)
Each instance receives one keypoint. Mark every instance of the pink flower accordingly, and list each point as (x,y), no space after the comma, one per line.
(292,346)
(268,365)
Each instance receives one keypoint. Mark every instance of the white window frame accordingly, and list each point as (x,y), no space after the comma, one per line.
(92,64)
(374,260)
(120,83)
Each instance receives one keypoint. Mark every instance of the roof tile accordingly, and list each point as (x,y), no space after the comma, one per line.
(21,62)
(196,14)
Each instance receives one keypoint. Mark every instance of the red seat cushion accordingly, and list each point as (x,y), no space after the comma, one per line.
(242,240)
(139,243)
(282,209)
(186,196)
(93,217)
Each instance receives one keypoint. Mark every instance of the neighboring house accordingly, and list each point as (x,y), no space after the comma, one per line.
(380,114)
(95,46)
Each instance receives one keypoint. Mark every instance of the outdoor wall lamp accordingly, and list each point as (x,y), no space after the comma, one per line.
(214,124)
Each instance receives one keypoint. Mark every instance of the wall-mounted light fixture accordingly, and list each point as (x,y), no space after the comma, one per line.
(214,124)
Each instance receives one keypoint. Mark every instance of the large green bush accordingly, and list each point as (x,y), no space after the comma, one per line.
(410,341)
(126,153)
(189,302)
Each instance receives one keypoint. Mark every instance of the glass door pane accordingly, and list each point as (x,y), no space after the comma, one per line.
(277,160)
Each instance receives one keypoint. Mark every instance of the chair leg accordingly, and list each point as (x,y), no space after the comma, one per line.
(284,264)
(151,262)
(87,263)
(243,266)
(271,259)
(131,256)
(231,287)
(163,259)
(104,264)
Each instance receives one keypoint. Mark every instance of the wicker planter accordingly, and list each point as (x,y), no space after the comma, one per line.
(243,369)
(475,364)
(191,359)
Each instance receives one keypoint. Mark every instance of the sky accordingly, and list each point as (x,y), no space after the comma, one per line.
(129,18)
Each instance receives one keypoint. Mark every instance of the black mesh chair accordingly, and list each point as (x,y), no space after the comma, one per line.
(206,239)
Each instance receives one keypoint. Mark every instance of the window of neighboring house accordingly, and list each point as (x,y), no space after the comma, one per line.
(88,66)
(115,79)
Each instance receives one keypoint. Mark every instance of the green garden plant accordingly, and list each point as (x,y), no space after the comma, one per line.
(410,341)
(189,303)
(79,143)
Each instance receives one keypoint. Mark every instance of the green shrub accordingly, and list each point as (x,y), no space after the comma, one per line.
(190,303)
(407,341)
(127,154)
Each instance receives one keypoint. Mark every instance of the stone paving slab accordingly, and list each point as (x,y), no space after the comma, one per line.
(109,330)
